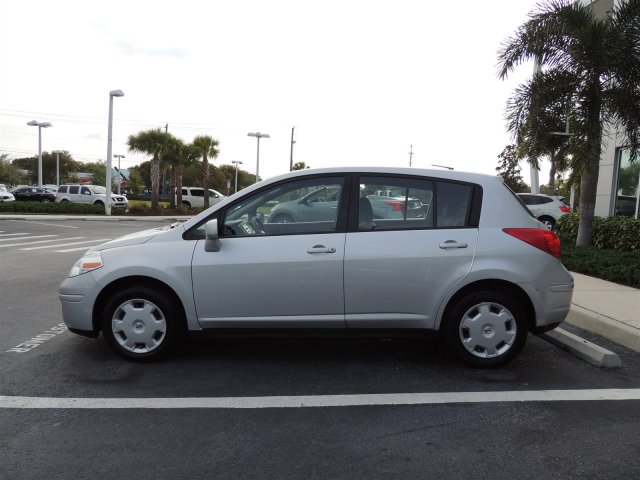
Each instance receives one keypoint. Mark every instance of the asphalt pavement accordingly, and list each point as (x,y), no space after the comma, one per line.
(290,407)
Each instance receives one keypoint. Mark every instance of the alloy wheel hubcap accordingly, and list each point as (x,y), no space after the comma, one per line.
(488,330)
(139,326)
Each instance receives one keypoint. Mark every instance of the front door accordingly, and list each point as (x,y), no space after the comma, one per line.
(287,275)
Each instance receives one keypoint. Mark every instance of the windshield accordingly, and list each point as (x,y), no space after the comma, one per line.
(98,189)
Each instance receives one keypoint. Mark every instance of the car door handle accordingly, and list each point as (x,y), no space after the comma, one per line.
(321,249)
(453,244)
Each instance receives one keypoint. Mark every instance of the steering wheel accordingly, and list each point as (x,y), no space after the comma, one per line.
(257,225)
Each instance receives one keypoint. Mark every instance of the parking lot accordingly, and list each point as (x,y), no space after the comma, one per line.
(286,407)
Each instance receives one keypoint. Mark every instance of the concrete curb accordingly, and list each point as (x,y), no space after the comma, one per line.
(581,348)
(605,327)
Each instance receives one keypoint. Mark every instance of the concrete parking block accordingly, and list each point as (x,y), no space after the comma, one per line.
(581,348)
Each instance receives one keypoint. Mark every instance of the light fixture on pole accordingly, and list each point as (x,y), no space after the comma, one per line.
(112,93)
(236,162)
(57,152)
(119,171)
(40,125)
(258,135)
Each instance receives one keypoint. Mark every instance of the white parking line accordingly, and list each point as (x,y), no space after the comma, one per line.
(25,238)
(86,247)
(42,223)
(67,244)
(38,241)
(306,401)
(12,234)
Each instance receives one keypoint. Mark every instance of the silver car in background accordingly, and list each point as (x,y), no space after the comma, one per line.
(471,263)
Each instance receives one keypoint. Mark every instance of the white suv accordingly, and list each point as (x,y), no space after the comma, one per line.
(545,208)
(193,197)
(90,195)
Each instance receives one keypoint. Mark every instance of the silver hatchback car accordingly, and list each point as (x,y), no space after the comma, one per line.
(469,261)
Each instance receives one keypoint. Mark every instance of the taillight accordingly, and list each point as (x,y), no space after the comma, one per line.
(565,208)
(396,206)
(545,240)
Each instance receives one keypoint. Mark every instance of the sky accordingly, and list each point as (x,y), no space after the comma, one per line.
(361,81)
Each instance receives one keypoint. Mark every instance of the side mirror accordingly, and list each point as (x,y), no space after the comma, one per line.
(212,240)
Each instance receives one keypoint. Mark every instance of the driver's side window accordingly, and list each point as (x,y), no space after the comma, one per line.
(292,208)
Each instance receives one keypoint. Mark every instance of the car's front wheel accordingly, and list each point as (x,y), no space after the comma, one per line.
(486,328)
(140,324)
(46,200)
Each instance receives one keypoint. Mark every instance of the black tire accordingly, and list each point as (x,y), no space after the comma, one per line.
(186,204)
(281,218)
(99,204)
(46,200)
(550,222)
(500,332)
(141,324)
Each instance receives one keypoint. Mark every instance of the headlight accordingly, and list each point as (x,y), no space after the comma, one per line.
(90,261)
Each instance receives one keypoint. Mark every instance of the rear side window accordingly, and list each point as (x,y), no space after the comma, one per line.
(62,189)
(390,203)
(74,189)
(545,200)
(85,191)
(454,201)
(185,192)
(197,192)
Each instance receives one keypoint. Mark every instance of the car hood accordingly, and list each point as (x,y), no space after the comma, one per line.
(136,238)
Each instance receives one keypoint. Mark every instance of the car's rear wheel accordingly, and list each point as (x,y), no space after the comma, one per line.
(548,221)
(186,204)
(99,204)
(139,324)
(46,200)
(486,329)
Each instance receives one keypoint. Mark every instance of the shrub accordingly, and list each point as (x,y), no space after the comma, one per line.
(612,265)
(615,233)
(49,208)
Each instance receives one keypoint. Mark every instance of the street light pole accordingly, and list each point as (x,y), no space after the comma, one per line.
(236,162)
(258,135)
(119,172)
(40,125)
(112,93)
(57,152)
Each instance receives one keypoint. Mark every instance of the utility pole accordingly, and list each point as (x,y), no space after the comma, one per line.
(410,154)
(291,156)
(166,128)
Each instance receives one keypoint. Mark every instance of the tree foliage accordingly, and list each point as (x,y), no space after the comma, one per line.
(509,170)
(10,173)
(590,71)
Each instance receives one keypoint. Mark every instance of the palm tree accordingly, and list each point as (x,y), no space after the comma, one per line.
(151,142)
(540,119)
(591,64)
(186,155)
(206,147)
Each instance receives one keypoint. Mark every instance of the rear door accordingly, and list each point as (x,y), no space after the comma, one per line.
(397,270)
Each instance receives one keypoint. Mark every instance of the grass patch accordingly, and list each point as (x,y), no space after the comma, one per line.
(612,265)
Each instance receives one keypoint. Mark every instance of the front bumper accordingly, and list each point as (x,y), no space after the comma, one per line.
(77,304)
